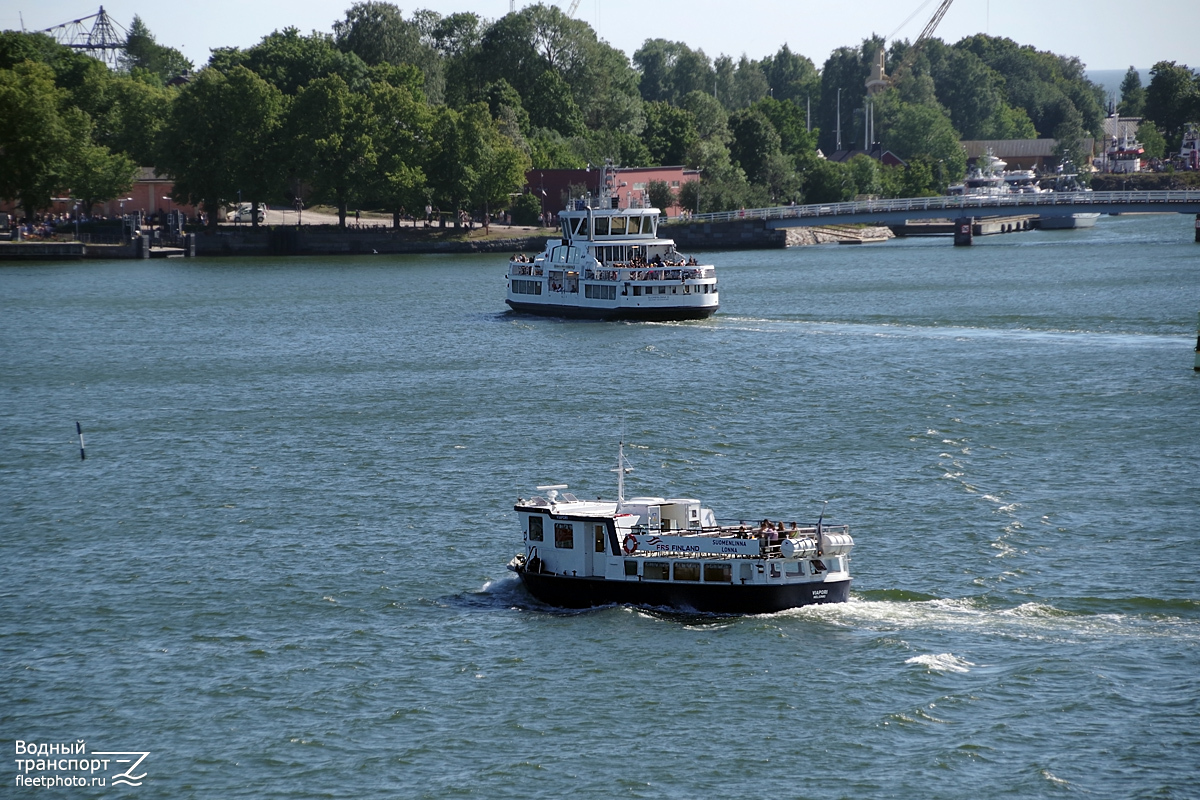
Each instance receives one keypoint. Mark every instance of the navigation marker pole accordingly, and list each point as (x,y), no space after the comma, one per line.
(1197,366)
(82,452)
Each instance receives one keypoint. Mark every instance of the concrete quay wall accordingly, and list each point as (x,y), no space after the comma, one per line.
(300,241)
(746,234)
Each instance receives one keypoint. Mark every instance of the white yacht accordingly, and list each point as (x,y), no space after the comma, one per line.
(674,553)
(610,263)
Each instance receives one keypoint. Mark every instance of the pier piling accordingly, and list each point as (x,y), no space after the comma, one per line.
(963,231)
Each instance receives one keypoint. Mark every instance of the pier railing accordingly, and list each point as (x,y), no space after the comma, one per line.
(963,205)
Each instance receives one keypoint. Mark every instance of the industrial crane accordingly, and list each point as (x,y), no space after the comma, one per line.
(878,81)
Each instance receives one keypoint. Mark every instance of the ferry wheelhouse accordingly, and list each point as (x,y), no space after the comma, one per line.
(611,263)
(674,553)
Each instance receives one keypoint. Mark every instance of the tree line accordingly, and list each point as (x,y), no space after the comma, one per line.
(392,112)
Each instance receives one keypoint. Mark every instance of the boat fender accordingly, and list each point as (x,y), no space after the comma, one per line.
(630,545)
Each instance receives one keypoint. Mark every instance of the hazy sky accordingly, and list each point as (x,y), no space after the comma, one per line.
(1105,34)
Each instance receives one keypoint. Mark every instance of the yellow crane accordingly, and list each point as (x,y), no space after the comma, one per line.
(878,80)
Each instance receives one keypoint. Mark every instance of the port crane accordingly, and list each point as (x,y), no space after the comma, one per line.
(879,81)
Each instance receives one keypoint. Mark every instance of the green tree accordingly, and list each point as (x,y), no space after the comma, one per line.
(755,142)
(1172,98)
(1152,141)
(377,33)
(142,52)
(866,173)
(712,121)
(661,195)
(331,129)
(669,132)
(92,172)
(551,150)
(254,143)
(221,139)
(35,140)
(1133,95)
(551,105)
(828,182)
(526,209)
(791,76)
(289,60)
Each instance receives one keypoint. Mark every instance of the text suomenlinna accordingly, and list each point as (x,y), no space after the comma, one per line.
(41,764)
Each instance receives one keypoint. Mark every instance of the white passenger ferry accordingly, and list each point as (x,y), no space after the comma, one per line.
(674,553)
(610,263)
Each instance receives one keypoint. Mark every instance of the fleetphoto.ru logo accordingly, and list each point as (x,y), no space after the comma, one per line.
(52,764)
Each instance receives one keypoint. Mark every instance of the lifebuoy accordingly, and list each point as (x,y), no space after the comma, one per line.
(631,544)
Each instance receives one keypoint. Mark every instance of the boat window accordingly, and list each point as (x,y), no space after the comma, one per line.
(794,568)
(599,531)
(618,226)
(655,570)
(581,228)
(687,571)
(535,529)
(601,224)
(630,567)
(564,535)
(662,290)
(637,291)
(634,225)
(718,573)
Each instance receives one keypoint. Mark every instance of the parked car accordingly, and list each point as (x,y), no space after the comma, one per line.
(245,213)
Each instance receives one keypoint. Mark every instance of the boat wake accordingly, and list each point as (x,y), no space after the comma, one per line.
(891,611)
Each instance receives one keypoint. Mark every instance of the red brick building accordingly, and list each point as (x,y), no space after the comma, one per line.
(630,185)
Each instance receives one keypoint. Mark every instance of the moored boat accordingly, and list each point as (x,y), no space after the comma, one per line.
(674,553)
(611,263)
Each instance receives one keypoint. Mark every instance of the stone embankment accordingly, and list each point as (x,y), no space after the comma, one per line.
(754,234)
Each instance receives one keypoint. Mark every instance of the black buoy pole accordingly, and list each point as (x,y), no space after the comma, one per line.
(1198,229)
(1197,366)
(82,452)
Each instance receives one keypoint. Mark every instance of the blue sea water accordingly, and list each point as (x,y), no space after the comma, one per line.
(280,570)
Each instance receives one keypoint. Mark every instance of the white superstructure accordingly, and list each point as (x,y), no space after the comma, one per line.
(610,263)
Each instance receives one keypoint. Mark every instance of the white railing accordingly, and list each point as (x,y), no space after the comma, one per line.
(956,203)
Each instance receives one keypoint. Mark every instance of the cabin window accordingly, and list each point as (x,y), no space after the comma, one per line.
(535,529)
(630,568)
(608,292)
(581,228)
(601,224)
(618,226)
(564,535)
(655,570)
(662,290)
(526,287)
(566,228)
(637,291)
(718,573)
(687,571)
(794,569)
(599,532)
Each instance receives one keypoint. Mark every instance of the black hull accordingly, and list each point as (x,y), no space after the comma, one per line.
(634,314)
(712,598)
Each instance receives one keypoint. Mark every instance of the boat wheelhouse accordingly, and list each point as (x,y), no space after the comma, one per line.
(611,263)
(674,553)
